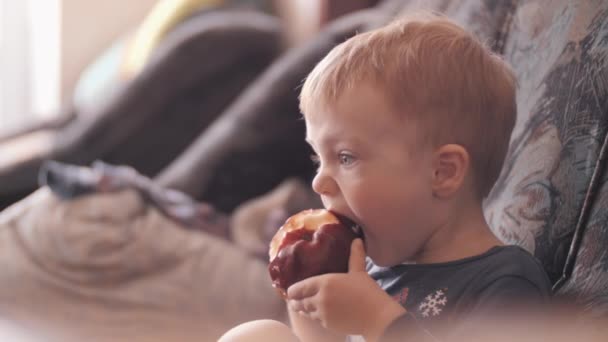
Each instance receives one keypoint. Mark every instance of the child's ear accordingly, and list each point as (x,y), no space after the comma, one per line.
(450,166)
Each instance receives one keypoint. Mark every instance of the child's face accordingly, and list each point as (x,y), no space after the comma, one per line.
(372,171)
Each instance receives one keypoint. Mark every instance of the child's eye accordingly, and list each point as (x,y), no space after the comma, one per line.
(346,159)
(315,159)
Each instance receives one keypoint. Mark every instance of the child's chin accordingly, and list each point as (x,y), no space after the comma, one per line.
(382,260)
(377,258)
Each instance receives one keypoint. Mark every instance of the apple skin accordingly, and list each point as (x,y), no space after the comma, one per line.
(311,242)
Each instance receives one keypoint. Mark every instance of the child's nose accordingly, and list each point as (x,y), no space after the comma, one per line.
(323,184)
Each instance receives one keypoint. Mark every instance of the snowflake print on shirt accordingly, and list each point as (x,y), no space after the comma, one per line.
(433,304)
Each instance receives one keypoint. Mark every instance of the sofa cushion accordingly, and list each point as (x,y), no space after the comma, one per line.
(558,50)
(123,271)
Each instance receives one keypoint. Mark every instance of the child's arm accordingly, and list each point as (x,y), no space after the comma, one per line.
(350,303)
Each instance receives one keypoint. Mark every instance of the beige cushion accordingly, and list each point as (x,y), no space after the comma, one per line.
(109,267)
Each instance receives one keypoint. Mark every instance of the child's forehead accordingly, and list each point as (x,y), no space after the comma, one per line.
(378,119)
(364,99)
(357,128)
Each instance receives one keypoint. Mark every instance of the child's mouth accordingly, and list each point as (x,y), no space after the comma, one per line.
(357,229)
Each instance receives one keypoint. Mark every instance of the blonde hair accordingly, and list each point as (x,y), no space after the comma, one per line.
(434,72)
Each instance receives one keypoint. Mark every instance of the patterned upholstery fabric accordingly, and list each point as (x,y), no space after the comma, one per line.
(486,19)
(586,276)
(558,50)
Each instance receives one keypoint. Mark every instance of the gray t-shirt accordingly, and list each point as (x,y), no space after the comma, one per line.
(503,278)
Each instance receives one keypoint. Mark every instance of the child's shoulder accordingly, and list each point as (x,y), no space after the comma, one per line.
(512,259)
(511,264)
(498,268)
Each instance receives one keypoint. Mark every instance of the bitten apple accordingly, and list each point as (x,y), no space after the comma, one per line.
(311,242)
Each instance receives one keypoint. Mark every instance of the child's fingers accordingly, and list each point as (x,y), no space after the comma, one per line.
(302,306)
(313,315)
(356,262)
(303,289)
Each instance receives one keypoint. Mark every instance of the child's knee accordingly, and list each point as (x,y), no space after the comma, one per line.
(262,330)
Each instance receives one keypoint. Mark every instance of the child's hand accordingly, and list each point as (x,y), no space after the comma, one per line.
(350,303)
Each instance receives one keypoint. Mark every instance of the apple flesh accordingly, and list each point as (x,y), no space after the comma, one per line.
(310,243)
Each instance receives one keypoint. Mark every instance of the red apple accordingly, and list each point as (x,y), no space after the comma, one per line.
(311,242)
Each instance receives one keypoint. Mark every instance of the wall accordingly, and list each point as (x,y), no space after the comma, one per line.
(88,27)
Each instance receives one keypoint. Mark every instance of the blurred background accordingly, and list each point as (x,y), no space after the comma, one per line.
(150,149)
(47,44)
(64,62)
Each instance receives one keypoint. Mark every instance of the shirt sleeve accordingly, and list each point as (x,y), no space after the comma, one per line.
(508,294)
(503,298)
(507,302)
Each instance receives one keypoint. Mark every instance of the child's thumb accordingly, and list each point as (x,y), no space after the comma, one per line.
(356,262)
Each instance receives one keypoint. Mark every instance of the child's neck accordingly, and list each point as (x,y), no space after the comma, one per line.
(463,234)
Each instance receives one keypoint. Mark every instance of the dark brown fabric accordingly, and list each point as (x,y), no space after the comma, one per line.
(259,140)
(585,277)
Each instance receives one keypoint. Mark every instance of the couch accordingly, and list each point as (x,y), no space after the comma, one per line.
(123,269)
